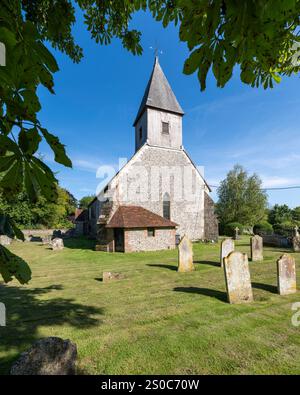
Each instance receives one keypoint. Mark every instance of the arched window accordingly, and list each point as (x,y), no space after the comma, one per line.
(166,206)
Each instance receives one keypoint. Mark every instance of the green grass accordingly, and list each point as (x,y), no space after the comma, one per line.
(155,320)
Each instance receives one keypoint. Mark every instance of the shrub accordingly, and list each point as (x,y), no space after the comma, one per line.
(285,229)
(229,229)
(263,228)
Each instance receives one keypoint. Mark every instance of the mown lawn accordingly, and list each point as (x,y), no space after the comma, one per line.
(154,321)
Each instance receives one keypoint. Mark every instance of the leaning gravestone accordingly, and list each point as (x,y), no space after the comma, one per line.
(49,356)
(227,246)
(57,244)
(256,244)
(237,276)
(286,275)
(296,244)
(185,256)
(5,240)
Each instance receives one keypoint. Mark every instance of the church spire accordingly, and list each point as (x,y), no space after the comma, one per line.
(159,94)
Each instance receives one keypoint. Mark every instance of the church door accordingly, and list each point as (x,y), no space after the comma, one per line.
(119,239)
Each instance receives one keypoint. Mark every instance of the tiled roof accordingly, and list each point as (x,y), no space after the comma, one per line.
(159,94)
(138,217)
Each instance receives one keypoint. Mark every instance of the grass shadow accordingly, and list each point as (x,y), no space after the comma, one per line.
(27,311)
(265,287)
(222,296)
(211,263)
(100,279)
(163,266)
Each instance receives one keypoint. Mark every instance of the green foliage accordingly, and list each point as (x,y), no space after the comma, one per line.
(241,198)
(261,37)
(42,213)
(296,215)
(280,214)
(229,229)
(13,266)
(263,227)
(285,229)
(85,201)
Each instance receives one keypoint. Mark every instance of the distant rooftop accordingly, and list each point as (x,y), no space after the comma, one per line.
(159,94)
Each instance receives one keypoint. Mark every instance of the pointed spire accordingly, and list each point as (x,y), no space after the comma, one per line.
(158,94)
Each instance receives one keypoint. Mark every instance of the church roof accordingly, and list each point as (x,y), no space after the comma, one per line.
(159,94)
(138,217)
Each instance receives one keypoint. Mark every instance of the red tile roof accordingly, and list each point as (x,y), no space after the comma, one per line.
(138,217)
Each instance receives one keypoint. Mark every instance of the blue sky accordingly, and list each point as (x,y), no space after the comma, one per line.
(97,100)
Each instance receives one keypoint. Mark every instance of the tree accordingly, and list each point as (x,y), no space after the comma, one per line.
(296,215)
(280,214)
(42,213)
(241,198)
(85,201)
(260,38)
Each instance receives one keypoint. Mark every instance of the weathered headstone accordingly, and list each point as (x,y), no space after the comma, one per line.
(57,244)
(49,356)
(109,276)
(185,255)
(227,246)
(286,275)
(5,240)
(256,244)
(296,244)
(296,230)
(237,276)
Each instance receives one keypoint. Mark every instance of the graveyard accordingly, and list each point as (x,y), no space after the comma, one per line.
(152,319)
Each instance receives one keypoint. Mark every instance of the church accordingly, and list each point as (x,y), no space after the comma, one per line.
(159,195)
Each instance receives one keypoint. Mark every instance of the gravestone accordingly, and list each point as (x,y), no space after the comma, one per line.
(286,275)
(49,356)
(236,233)
(185,256)
(256,244)
(109,276)
(5,240)
(296,244)
(237,276)
(57,244)
(227,246)
(296,230)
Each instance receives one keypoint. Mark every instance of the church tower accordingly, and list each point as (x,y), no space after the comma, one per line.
(159,119)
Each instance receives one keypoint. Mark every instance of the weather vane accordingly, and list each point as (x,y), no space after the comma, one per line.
(156,50)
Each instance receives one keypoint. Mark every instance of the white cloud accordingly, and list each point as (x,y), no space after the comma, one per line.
(273,182)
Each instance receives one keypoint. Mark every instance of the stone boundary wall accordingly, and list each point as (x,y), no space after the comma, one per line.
(41,232)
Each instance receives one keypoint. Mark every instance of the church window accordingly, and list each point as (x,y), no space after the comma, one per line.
(165,127)
(151,232)
(141,133)
(166,206)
